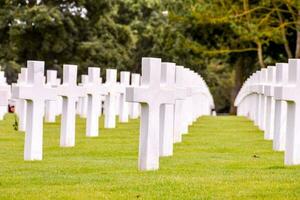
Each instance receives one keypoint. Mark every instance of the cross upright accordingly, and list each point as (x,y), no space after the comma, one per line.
(83,99)
(270,103)
(124,81)
(151,95)
(280,108)
(35,92)
(167,111)
(179,112)
(247,101)
(113,89)
(253,90)
(263,99)
(134,108)
(21,106)
(50,109)
(95,89)
(187,102)
(200,96)
(291,94)
(256,87)
(59,99)
(5,90)
(70,92)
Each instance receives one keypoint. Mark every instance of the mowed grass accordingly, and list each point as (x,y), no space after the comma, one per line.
(221,158)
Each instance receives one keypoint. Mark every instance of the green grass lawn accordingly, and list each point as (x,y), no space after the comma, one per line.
(221,158)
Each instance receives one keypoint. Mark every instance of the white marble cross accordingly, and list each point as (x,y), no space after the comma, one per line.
(70,92)
(291,94)
(117,101)
(187,104)
(59,99)
(151,96)
(200,100)
(280,109)
(113,89)
(84,99)
(124,81)
(95,89)
(35,93)
(263,99)
(166,135)
(21,107)
(4,95)
(179,112)
(270,103)
(134,108)
(190,106)
(254,89)
(50,109)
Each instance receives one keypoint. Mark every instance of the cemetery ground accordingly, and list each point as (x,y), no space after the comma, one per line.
(220,158)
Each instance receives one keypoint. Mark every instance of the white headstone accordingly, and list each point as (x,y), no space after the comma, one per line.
(270,103)
(151,96)
(95,89)
(124,81)
(21,106)
(70,93)
(280,109)
(113,88)
(5,95)
(257,97)
(84,99)
(59,100)
(50,109)
(187,105)
(263,99)
(291,94)
(35,93)
(179,112)
(134,108)
(167,111)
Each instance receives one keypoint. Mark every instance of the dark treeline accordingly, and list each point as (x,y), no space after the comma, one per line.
(223,40)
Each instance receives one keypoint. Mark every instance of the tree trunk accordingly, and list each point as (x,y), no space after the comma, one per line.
(297,54)
(238,81)
(260,55)
(283,32)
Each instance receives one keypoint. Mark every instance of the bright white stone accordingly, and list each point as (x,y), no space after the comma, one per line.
(21,107)
(270,103)
(117,102)
(70,93)
(50,109)
(291,94)
(5,95)
(280,109)
(3,103)
(257,97)
(95,89)
(124,80)
(167,111)
(151,96)
(59,100)
(263,99)
(134,108)
(35,93)
(187,104)
(113,89)
(84,99)
(179,112)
